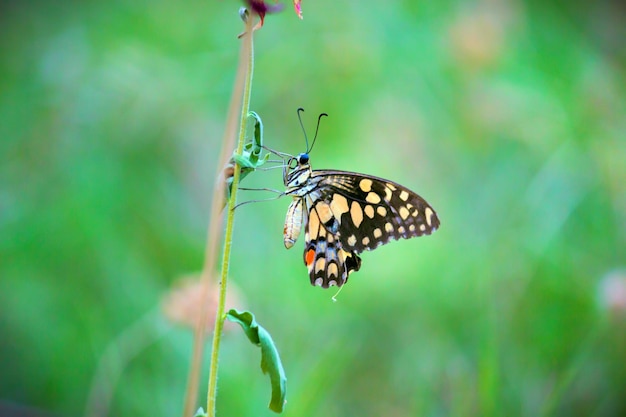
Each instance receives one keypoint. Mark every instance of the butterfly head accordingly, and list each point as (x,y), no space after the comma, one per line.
(303,159)
(297,171)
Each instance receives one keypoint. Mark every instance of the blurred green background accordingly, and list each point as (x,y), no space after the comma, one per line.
(509,117)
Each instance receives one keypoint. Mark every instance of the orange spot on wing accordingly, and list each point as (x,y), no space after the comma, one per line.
(310,257)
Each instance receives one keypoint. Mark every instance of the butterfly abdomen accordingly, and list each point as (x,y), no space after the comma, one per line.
(293,223)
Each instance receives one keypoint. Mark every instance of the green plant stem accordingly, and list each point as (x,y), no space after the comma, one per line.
(220,316)
(213,234)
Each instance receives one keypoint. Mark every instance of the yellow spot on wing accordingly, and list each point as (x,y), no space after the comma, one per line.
(381,210)
(404,195)
(332,269)
(428,213)
(366,185)
(339,205)
(320,264)
(404,213)
(388,194)
(373,198)
(314,226)
(352,240)
(324,212)
(377,233)
(365,241)
(356,213)
(388,227)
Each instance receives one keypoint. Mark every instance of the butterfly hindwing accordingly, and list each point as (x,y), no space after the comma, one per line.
(328,263)
(370,211)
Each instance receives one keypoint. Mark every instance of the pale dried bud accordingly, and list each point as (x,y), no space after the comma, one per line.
(612,292)
(185,302)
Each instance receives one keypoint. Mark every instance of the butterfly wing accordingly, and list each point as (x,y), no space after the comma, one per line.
(328,263)
(347,213)
(364,212)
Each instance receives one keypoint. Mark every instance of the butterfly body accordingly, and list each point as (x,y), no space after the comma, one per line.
(345,213)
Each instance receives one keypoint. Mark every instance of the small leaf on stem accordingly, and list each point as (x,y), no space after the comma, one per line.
(249,160)
(270,360)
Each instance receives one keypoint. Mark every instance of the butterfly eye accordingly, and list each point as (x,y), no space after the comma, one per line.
(303,158)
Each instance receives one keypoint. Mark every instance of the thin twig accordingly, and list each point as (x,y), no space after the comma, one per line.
(219,316)
(210,256)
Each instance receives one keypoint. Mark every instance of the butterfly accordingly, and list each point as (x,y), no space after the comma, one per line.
(345,213)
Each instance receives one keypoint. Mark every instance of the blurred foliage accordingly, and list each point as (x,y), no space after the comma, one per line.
(508,116)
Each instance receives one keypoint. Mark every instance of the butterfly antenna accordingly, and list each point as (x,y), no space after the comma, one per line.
(306,139)
(316,130)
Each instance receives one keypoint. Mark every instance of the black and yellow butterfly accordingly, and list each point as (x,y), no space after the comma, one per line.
(345,213)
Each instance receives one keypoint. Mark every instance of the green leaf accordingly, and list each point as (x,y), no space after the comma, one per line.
(243,162)
(250,159)
(270,360)
(257,146)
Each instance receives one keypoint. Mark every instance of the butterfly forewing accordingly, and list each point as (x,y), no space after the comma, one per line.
(370,211)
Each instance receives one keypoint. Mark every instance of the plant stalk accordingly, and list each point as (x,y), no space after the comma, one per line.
(248,47)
